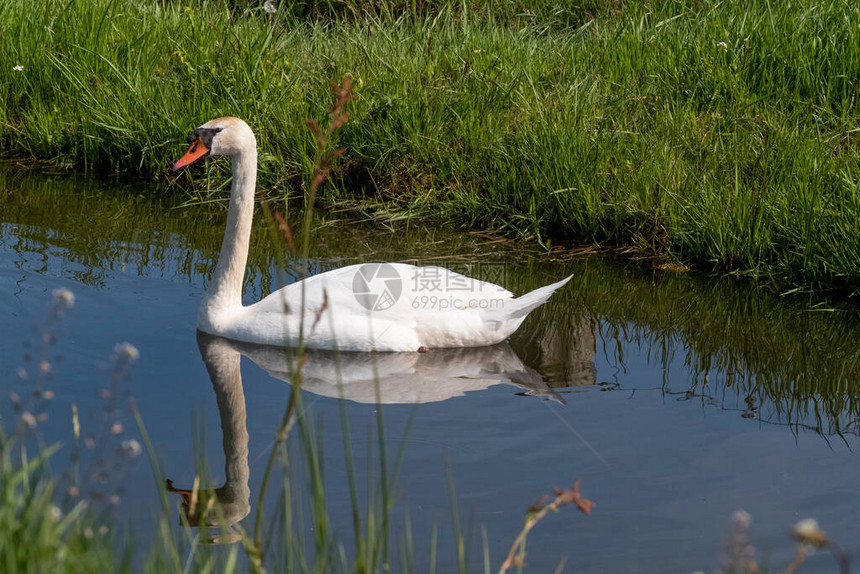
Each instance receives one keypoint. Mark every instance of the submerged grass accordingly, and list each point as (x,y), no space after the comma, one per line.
(720,134)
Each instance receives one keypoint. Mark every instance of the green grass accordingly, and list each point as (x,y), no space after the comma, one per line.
(620,123)
(34,537)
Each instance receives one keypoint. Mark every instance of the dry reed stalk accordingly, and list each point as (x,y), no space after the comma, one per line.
(536,513)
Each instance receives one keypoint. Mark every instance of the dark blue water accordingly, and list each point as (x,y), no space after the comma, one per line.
(686,398)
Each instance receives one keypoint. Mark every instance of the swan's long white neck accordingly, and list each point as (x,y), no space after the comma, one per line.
(225,288)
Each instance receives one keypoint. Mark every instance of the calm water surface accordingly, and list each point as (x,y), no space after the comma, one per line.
(686,398)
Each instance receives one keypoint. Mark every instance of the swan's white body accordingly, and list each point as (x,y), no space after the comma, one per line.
(382,307)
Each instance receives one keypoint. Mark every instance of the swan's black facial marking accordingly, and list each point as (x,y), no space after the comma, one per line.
(200,141)
(205,135)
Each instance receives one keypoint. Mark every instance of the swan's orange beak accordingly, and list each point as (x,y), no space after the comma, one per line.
(197,151)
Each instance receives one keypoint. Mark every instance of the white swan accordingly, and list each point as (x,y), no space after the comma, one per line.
(375,306)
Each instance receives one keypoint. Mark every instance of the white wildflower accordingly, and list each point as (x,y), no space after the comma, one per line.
(127,352)
(723,45)
(270,7)
(806,526)
(28,419)
(808,532)
(64,298)
(741,518)
(131,447)
(55,513)
(18,68)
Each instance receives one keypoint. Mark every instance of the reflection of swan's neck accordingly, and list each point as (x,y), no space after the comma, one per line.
(233,499)
(225,288)
(223,364)
(224,369)
(231,407)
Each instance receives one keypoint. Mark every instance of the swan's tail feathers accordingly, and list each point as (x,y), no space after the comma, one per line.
(521,306)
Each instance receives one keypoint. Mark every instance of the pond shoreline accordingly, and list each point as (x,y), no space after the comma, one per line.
(526,247)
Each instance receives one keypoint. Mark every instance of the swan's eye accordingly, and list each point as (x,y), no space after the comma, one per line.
(192,137)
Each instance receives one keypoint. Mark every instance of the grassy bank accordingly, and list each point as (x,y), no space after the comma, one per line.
(720,134)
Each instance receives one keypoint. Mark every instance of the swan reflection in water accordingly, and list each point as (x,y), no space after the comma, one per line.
(386,378)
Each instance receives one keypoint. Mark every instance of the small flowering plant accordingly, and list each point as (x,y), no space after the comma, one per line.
(741,558)
(97,471)
(31,407)
(104,473)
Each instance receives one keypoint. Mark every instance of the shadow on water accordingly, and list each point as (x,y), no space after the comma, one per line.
(790,360)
